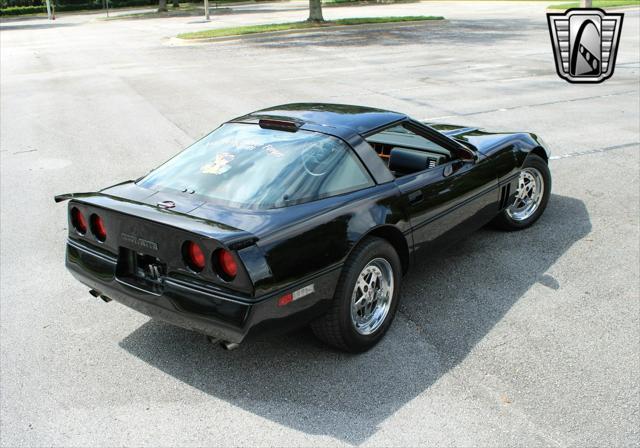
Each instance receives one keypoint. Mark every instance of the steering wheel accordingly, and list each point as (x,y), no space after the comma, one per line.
(315,158)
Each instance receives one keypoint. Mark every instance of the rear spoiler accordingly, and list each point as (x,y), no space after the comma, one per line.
(232,237)
(67,196)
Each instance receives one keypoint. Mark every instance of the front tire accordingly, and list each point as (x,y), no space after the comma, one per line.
(534,190)
(365,300)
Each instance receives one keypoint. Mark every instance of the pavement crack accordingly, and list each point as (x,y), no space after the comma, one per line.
(594,151)
(25,151)
(524,106)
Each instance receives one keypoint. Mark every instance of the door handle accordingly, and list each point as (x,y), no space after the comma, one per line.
(415,197)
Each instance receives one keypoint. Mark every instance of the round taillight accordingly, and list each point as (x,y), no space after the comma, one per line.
(225,264)
(193,256)
(98,228)
(78,221)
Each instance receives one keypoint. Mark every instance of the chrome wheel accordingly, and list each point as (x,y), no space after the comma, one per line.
(371,297)
(529,195)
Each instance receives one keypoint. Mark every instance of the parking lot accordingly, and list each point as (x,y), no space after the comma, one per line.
(527,338)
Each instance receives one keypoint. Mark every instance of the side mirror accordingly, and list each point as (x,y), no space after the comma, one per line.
(454,166)
(467,155)
(473,158)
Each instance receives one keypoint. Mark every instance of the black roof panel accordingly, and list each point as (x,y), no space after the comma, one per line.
(358,118)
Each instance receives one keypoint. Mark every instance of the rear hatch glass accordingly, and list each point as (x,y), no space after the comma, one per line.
(245,165)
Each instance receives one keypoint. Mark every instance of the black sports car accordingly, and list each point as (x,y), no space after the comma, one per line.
(302,213)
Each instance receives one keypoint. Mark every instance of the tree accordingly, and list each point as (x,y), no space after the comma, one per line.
(315,11)
(162,5)
(176,3)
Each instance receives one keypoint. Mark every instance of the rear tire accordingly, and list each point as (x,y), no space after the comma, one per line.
(365,300)
(534,190)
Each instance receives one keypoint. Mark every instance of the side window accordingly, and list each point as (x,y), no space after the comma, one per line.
(406,152)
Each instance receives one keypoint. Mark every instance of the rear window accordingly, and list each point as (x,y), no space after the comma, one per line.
(245,165)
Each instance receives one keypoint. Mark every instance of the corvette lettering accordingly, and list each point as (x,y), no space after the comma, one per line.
(139,241)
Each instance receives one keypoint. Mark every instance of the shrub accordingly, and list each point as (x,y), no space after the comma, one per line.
(18,10)
(12,7)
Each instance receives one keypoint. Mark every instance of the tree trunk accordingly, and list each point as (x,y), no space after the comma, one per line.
(162,5)
(176,3)
(585,3)
(315,11)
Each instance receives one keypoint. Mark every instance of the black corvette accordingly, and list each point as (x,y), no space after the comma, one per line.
(302,213)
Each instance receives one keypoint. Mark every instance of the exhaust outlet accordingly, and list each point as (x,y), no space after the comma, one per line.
(94,293)
(229,345)
(105,298)
(224,344)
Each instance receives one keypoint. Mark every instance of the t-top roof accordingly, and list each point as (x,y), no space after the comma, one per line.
(358,118)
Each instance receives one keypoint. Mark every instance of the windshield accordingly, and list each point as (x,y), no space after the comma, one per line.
(245,165)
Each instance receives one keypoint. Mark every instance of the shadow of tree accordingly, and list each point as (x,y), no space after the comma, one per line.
(478,32)
(34,26)
(449,303)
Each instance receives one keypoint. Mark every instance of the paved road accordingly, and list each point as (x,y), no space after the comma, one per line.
(529,338)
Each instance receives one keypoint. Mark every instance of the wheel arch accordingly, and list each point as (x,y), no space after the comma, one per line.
(539,151)
(394,237)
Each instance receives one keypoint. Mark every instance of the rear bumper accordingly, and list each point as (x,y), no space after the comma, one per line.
(197,306)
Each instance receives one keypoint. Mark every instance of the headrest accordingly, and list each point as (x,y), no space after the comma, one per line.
(408,160)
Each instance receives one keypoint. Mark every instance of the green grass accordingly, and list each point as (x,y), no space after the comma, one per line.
(598,4)
(240,30)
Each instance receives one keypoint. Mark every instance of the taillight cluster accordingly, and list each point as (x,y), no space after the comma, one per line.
(97,227)
(193,256)
(222,261)
(78,221)
(225,264)
(96,224)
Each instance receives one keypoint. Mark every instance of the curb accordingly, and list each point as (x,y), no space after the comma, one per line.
(178,41)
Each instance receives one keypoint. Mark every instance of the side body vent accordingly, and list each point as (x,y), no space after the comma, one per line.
(505,192)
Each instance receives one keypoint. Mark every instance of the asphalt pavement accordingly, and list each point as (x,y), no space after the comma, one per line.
(509,339)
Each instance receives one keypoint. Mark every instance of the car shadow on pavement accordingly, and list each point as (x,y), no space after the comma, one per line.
(449,303)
